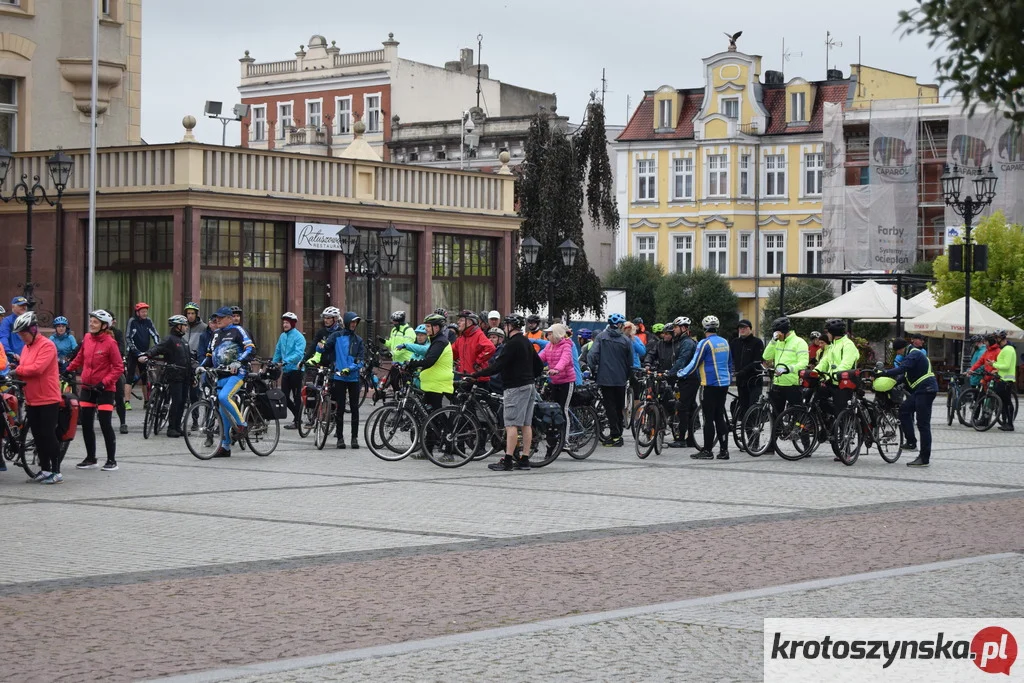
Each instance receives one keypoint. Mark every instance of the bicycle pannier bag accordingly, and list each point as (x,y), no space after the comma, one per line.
(549,413)
(67,418)
(309,394)
(582,397)
(272,404)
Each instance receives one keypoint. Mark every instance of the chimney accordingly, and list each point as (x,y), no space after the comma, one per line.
(466,58)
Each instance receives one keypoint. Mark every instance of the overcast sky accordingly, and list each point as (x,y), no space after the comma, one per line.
(190,48)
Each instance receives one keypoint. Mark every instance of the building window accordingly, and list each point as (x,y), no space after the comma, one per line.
(797,102)
(682,253)
(15,3)
(665,109)
(343,115)
(717,253)
(314,113)
(718,175)
(8,114)
(259,122)
(774,253)
(744,255)
(135,262)
(682,178)
(316,289)
(812,252)
(731,107)
(865,175)
(775,175)
(104,7)
(645,248)
(464,273)
(646,179)
(372,104)
(814,164)
(395,291)
(745,175)
(285,121)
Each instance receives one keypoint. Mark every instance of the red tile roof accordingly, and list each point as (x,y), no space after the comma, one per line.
(641,125)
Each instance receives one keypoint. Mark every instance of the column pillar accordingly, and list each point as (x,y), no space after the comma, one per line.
(337,274)
(424,270)
(505,273)
(193,273)
(294,286)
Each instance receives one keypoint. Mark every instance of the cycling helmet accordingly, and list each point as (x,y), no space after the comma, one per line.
(657,328)
(443,312)
(3,311)
(815,335)
(398,317)
(515,320)
(236,310)
(585,334)
(435,319)
(681,321)
(60,320)
(638,321)
(139,306)
(990,339)
(835,326)
(710,323)
(497,332)
(288,315)
(469,315)
(781,325)
(421,329)
(975,338)
(102,316)
(1001,334)
(24,322)
(177,320)
(616,319)
(883,384)
(331,312)
(192,306)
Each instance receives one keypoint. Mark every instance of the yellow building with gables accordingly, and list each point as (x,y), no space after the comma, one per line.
(728,176)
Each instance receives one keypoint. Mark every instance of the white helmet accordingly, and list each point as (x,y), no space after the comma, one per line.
(24,321)
(102,316)
(288,315)
(681,320)
(331,312)
(710,322)
(3,311)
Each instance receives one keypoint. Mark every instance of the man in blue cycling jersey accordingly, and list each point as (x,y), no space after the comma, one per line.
(711,359)
(230,350)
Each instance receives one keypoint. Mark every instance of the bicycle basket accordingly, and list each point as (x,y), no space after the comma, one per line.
(272,404)
(582,396)
(549,414)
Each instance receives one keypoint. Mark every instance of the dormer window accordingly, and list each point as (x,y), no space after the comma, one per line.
(731,107)
(798,106)
(665,114)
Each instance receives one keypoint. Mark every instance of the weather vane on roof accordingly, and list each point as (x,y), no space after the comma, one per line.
(732,40)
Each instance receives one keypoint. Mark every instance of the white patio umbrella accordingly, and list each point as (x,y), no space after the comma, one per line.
(869,300)
(948,321)
(926,299)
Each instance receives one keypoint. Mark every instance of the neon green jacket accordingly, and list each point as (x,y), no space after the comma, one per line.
(403,334)
(1006,364)
(841,355)
(791,352)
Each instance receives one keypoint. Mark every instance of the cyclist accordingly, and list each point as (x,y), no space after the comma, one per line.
(139,336)
(493,322)
(451,331)
(400,334)
(533,330)
(472,349)
(979,350)
(918,340)
(747,352)
(558,356)
(331,317)
(230,349)
(345,350)
(194,331)
(639,351)
(119,392)
(38,369)
(688,387)
(101,365)
(422,343)
(236,315)
(711,359)
(988,357)
(9,339)
(789,350)
(611,360)
(63,340)
(175,350)
(497,337)
(1005,367)
(660,351)
(816,347)
(923,387)
(841,355)
(586,338)
(641,331)
(518,365)
(437,377)
(291,346)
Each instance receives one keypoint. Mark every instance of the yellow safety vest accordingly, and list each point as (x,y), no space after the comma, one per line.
(913,385)
(439,378)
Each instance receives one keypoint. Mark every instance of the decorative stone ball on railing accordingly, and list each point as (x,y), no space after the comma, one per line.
(189,122)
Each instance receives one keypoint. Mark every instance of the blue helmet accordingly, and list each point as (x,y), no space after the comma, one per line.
(421,329)
(616,319)
(60,320)
(585,333)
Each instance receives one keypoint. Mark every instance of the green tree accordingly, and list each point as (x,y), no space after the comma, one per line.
(696,295)
(640,278)
(999,286)
(984,50)
(558,170)
(800,295)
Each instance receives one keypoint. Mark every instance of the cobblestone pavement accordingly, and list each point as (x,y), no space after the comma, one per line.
(172,565)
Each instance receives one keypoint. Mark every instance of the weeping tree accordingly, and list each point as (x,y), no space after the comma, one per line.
(559,171)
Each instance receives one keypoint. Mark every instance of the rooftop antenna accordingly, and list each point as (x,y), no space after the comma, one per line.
(604,86)
(788,54)
(628,110)
(830,44)
(479,49)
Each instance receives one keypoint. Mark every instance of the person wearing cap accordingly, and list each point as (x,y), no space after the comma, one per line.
(230,350)
(493,322)
(1005,367)
(746,352)
(472,349)
(176,352)
(139,336)
(918,341)
(923,387)
(8,338)
(196,327)
(290,348)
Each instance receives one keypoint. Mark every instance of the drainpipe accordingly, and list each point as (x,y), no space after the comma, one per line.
(757,238)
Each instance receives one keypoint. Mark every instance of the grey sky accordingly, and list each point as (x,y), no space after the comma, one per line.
(191,48)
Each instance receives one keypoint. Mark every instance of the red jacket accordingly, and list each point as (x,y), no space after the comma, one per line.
(987,358)
(38,369)
(472,350)
(100,360)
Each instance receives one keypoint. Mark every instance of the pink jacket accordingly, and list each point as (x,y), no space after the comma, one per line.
(39,370)
(559,357)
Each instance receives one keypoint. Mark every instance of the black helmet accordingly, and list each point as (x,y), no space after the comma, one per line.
(236,310)
(515,320)
(435,319)
(835,326)
(398,317)
(532,318)
(443,312)
(638,320)
(781,325)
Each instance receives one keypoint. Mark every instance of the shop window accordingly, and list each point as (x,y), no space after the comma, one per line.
(134,262)
(396,291)
(464,273)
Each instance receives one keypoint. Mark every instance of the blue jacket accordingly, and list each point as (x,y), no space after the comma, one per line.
(639,351)
(65,345)
(291,347)
(205,337)
(975,377)
(576,364)
(684,354)
(229,345)
(494,383)
(915,366)
(712,360)
(11,342)
(418,351)
(611,358)
(348,350)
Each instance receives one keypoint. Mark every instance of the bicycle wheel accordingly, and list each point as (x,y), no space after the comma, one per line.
(263,435)
(647,431)
(204,429)
(986,412)
(365,389)
(322,423)
(450,437)
(757,428)
(548,442)
(604,428)
(847,436)
(582,437)
(887,436)
(307,417)
(965,406)
(391,433)
(150,417)
(952,397)
(796,433)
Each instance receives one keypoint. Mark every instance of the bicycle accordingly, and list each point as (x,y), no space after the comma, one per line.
(581,427)
(754,430)
(317,415)
(203,418)
(799,430)
(957,395)
(864,422)
(159,405)
(987,409)
(652,420)
(18,448)
(392,431)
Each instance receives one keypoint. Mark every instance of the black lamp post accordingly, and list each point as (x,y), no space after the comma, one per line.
(371,265)
(968,208)
(59,167)
(568,251)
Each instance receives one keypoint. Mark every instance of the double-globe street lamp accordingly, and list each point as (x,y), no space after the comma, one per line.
(968,208)
(369,264)
(568,251)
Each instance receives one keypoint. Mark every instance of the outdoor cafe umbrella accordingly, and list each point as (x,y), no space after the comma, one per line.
(948,321)
(869,300)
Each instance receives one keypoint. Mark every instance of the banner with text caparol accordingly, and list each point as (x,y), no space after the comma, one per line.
(892,225)
(988,139)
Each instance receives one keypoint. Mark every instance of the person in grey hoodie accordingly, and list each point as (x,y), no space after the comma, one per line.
(610,360)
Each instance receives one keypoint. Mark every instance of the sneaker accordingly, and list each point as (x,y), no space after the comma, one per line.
(1006,428)
(240,431)
(292,425)
(55,478)
(354,444)
(174,434)
(124,429)
(222,453)
(341,444)
(87,464)
(39,477)
(617,442)
(109,466)
(675,444)
(723,455)
(910,446)
(503,465)
(917,462)
(703,455)
(521,464)
(127,406)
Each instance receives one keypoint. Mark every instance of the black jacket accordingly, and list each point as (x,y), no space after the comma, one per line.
(175,350)
(746,353)
(660,355)
(321,334)
(518,363)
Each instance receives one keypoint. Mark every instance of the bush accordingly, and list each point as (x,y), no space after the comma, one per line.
(696,295)
(640,278)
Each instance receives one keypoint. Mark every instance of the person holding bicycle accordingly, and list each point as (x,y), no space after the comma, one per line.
(841,355)
(437,376)
(38,369)
(1005,367)
(787,354)
(979,350)
(100,363)
(923,387)
(711,360)
(746,352)
(291,346)
(139,336)
(561,371)
(345,350)
(688,387)
(174,349)
(230,351)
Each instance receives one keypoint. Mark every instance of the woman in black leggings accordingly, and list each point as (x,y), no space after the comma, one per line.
(100,362)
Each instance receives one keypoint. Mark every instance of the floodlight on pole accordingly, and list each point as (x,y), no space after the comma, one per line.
(213,110)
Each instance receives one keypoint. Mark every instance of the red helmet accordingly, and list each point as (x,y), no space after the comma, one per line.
(139,306)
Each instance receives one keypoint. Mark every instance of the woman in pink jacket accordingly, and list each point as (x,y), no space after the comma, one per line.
(558,356)
(38,369)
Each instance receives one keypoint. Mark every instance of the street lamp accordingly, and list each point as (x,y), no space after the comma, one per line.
(568,251)
(371,265)
(969,208)
(59,167)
